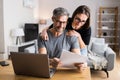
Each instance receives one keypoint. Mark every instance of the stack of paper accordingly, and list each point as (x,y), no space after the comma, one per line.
(68,59)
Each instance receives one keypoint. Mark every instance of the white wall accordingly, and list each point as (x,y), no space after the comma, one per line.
(36,10)
(14,15)
(1,27)
(46,7)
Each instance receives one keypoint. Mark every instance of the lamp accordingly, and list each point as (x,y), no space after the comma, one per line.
(42,21)
(17,33)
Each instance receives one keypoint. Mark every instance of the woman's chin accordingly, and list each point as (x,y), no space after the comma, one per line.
(76,27)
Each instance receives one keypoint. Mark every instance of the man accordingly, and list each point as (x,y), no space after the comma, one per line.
(58,39)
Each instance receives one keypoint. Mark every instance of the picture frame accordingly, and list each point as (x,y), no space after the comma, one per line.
(28,3)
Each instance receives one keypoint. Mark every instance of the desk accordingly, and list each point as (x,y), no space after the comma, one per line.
(7,73)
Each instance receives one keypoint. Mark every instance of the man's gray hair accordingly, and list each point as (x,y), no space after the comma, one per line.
(60,12)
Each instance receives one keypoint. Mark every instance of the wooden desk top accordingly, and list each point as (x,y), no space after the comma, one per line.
(7,73)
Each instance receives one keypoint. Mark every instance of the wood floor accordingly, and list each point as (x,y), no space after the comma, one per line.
(113,75)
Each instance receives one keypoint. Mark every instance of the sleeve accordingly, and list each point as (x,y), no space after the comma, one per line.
(86,36)
(74,42)
(51,26)
(83,51)
(41,42)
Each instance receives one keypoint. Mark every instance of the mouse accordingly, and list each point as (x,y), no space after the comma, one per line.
(4,63)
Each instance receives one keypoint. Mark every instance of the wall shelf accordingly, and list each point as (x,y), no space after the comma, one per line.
(108,26)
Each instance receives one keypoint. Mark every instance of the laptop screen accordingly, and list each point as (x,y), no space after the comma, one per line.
(30,64)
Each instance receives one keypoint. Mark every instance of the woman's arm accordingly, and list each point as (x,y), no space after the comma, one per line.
(82,44)
(86,34)
(44,34)
(74,33)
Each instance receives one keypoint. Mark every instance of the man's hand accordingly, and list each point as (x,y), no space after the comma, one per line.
(81,66)
(54,62)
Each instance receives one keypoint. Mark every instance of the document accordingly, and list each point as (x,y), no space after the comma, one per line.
(68,59)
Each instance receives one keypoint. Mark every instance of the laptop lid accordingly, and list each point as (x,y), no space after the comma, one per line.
(31,64)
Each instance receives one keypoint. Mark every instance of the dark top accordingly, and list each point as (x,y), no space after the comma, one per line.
(84,32)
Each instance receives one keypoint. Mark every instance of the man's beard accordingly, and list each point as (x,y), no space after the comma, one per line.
(57,30)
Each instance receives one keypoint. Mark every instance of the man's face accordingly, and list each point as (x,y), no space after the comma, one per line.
(59,23)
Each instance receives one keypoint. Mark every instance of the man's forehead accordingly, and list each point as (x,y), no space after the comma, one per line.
(62,18)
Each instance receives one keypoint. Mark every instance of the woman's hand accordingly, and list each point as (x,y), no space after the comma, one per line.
(44,34)
(81,66)
(73,33)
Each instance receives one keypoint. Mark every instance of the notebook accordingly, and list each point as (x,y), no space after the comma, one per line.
(31,64)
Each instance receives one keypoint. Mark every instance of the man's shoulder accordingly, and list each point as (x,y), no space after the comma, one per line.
(71,38)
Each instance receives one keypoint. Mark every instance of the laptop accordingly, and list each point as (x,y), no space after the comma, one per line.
(31,64)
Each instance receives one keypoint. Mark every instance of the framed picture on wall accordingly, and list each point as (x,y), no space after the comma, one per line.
(28,3)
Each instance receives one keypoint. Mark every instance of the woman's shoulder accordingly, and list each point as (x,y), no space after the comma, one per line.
(86,29)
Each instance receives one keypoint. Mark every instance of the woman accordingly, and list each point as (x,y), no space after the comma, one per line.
(80,22)
(78,25)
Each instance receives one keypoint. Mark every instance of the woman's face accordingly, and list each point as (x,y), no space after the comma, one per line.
(79,20)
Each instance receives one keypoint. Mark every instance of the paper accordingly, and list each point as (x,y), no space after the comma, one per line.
(68,59)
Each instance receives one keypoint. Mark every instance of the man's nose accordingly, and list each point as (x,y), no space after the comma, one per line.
(62,24)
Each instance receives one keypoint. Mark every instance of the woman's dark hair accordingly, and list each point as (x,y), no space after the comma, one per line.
(83,9)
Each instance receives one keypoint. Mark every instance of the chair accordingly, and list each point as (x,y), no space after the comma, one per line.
(100,48)
(32,48)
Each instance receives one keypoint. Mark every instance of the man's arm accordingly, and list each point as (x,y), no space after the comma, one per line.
(41,46)
(74,45)
(42,50)
(53,62)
